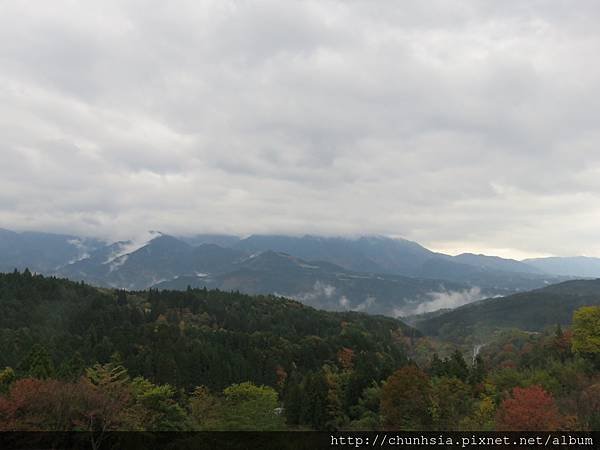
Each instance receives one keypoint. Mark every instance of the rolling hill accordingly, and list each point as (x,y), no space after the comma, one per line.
(532,311)
(187,339)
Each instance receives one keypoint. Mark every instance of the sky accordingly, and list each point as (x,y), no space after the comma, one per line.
(463,125)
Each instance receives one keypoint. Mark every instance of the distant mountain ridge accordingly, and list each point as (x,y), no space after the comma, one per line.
(363,254)
(578,266)
(495,262)
(371,273)
(319,284)
(378,254)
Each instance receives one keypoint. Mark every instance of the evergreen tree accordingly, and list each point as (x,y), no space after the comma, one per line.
(293,398)
(313,411)
(457,367)
(437,368)
(477,372)
(38,364)
(72,368)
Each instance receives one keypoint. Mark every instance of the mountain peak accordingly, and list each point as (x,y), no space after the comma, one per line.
(167,242)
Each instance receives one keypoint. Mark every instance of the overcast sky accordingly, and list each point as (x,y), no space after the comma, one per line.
(463,125)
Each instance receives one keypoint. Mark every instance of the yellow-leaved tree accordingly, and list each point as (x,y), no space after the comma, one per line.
(586,330)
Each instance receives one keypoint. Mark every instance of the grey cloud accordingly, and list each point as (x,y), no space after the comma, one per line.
(463,125)
(366,304)
(442,300)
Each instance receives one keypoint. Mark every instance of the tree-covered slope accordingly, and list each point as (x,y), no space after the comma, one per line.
(209,360)
(190,338)
(532,311)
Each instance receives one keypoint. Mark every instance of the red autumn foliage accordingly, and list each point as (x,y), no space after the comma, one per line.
(527,348)
(53,405)
(509,348)
(529,409)
(563,342)
(34,405)
(509,364)
(345,357)
(281,376)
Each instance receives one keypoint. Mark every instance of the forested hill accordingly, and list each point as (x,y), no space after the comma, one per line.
(532,311)
(191,338)
(74,357)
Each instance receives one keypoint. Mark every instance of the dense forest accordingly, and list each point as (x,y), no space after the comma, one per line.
(75,357)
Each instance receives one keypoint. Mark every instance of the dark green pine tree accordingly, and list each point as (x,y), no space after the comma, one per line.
(437,367)
(457,367)
(478,372)
(367,369)
(72,368)
(292,399)
(121,297)
(38,363)
(314,407)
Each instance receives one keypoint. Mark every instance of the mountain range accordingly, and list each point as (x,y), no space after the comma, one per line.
(375,274)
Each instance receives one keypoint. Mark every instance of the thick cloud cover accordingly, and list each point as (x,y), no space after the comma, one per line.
(464,125)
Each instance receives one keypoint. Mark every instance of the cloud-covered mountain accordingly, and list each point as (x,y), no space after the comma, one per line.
(165,262)
(42,252)
(380,254)
(160,259)
(369,273)
(223,240)
(363,254)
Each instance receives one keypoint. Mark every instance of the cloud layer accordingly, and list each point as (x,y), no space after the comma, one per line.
(442,300)
(459,124)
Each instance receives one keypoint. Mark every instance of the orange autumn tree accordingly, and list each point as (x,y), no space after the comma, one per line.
(345,357)
(406,400)
(528,409)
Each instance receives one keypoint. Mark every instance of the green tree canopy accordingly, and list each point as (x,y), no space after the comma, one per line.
(250,407)
(586,330)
